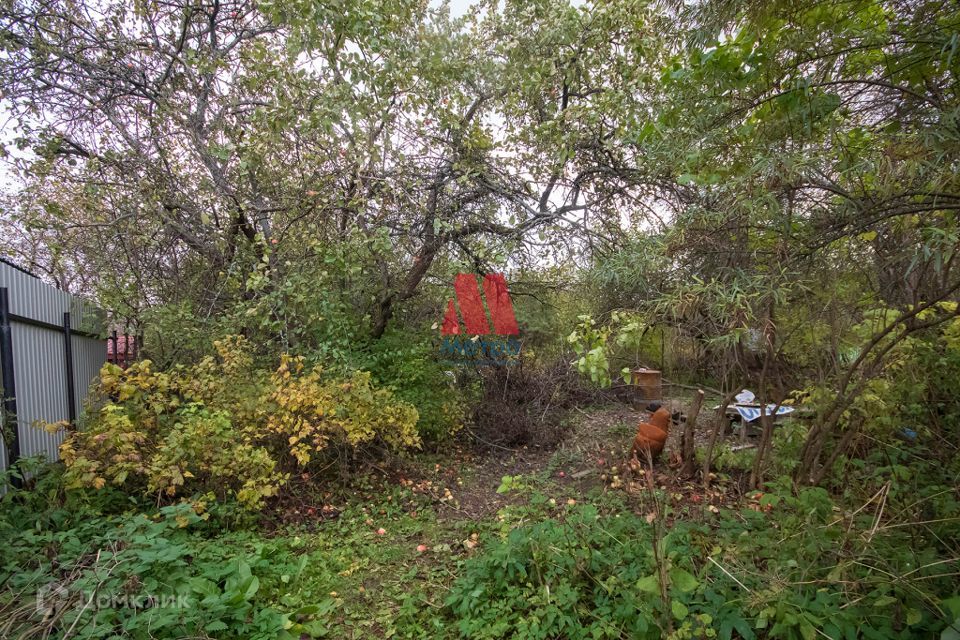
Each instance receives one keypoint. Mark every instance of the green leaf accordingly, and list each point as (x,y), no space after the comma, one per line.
(884,601)
(683,580)
(315,628)
(733,622)
(679,609)
(952,605)
(649,584)
(252,586)
(204,587)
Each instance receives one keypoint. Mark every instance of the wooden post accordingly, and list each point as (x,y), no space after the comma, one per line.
(686,441)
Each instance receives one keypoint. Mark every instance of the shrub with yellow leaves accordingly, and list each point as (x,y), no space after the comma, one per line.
(313,413)
(226,427)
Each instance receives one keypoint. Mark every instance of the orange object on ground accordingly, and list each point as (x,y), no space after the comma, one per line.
(652,436)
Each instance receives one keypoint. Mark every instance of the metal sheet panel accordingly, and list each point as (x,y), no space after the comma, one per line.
(31,298)
(89,356)
(39,359)
(38,362)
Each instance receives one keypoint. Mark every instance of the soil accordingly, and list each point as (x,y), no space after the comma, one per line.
(463,482)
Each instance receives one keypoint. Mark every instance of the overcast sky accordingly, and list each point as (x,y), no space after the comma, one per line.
(459,7)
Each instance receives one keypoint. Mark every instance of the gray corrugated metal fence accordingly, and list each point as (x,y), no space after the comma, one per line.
(38,355)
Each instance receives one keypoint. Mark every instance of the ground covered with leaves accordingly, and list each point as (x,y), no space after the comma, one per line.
(558,542)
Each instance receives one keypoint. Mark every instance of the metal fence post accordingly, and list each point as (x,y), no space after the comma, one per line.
(9,382)
(68,356)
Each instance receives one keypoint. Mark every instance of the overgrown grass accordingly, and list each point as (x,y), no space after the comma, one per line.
(554,561)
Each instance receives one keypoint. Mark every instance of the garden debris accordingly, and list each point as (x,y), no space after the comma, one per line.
(749,410)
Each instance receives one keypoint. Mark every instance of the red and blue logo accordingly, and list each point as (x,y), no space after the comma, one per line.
(480,340)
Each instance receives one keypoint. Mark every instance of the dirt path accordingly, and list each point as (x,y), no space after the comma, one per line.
(462,483)
(593,455)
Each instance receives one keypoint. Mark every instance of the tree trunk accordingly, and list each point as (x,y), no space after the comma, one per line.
(766,420)
(421,264)
(720,423)
(841,448)
(686,441)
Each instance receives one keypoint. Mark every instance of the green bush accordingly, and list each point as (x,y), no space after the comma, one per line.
(411,370)
(581,578)
(784,567)
(140,577)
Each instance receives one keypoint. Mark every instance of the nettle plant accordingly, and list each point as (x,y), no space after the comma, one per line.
(226,427)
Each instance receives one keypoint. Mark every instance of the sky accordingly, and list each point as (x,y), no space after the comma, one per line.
(459,7)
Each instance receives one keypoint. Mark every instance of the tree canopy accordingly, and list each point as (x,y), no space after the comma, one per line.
(775,182)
